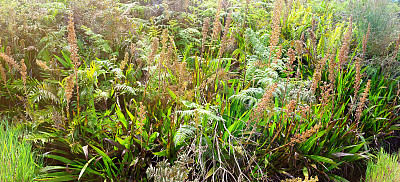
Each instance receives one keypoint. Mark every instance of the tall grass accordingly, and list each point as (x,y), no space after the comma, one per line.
(17,161)
(386,167)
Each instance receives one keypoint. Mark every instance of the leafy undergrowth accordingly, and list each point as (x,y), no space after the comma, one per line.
(199,90)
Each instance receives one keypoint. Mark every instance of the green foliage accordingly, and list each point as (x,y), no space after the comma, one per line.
(163,172)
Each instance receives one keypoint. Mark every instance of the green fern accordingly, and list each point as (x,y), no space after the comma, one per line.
(43,92)
(126,89)
(256,73)
(99,43)
(188,36)
(100,95)
(198,110)
(184,132)
(248,97)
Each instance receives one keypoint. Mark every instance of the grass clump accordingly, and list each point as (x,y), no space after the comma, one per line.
(384,168)
(17,161)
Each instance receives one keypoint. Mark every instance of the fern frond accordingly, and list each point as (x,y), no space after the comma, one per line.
(198,110)
(43,92)
(249,96)
(97,39)
(184,132)
(100,95)
(263,77)
(126,89)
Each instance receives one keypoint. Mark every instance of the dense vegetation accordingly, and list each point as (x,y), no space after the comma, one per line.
(200,90)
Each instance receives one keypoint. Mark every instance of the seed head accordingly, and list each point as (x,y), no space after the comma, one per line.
(365,40)
(264,103)
(326,93)
(216,29)
(276,28)
(204,31)
(23,71)
(171,51)
(126,59)
(317,74)
(12,64)
(224,41)
(69,86)
(362,101)
(141,116)
(291,60)
(300,138)
(290,108)
(279,53)
(72,42)
(344,50)
(332,68)
(3,74)
(8,50)
(42,64)
(313,41)
(164,40)
(154,48)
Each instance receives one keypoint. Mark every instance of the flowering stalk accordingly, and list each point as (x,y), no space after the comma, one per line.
(362,101)
(73,49)
(344,50)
